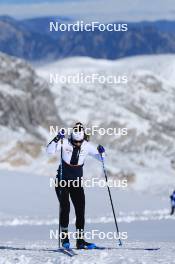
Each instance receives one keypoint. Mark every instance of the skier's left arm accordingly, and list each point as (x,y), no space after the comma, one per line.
(96,152)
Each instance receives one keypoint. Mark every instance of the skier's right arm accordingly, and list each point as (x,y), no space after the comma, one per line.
(55,145)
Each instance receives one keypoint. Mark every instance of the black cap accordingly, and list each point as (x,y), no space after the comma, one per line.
(78,127)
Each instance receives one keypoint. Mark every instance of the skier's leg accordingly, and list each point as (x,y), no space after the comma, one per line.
(63,197)
(78,200)
(172,210)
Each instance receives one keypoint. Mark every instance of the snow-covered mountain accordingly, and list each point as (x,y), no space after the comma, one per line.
(31,39)
(26,110)
(144,105)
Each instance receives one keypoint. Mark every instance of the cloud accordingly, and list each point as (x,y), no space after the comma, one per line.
(87,10)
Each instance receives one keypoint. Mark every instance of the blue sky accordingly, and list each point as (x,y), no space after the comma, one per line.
(91,10)
(34,1)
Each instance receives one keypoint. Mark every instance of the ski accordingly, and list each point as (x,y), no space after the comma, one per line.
(67,251)
(110,248)
(121,248)
(96,247)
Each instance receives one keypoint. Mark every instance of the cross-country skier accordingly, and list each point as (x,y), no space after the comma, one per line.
(74,151)
(172,197)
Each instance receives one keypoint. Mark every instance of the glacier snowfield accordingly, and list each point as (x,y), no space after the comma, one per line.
(29,209)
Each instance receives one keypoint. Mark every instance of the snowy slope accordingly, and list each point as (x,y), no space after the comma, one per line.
(25,228)
(145,105)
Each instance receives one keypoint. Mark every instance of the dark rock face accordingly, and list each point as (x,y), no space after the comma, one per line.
(25,99)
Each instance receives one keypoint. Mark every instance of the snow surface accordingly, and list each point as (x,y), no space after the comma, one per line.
(29,209)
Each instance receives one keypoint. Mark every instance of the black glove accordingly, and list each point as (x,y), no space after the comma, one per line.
(59,136)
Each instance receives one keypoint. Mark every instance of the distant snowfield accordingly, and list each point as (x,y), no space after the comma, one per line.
(29,210)
(150,87)
(163,65)
(145,105)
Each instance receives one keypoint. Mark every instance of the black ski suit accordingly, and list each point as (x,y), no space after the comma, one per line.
(72,169)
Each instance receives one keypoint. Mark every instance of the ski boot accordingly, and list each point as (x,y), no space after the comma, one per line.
(82,244)
(65,241)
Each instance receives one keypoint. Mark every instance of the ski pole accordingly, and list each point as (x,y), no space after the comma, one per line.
(109,192)
(61,176)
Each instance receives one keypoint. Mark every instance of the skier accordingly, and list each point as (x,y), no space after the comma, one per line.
(74,151)
(172,197)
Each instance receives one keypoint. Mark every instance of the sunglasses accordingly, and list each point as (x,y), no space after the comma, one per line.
(78,141)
